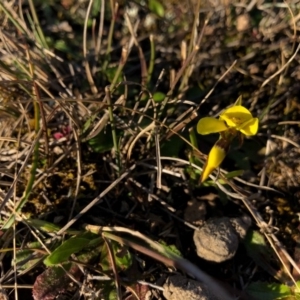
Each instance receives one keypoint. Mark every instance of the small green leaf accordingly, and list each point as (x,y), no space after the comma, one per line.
(25,259)
(123,257)
(96,8)
(88,124)
(193,173)
(109,290)
(102,142)
(258,250)
(43,225)
(159,97)
(110,74)
(48,227)
(268,291)
(156,7)
(62,46)
(69,247)
(229,175)
(170,248)
(235,173)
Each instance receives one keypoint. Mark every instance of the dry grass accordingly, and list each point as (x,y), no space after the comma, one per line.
(97,110)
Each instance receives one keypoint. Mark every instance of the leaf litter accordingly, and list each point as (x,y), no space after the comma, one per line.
(113,154)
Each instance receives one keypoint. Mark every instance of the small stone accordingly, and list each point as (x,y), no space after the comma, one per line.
(243,22)
(58,150)
(253,69)
(270,69)
(217,240)
(180,287)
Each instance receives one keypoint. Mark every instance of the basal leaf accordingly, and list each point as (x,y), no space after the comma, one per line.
(268,291)
(156,7)
(123,257)
(102,142)
(68,247)
(54,281)
(43,225)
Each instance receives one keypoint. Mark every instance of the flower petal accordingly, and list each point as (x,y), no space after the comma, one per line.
(236,115)
(209,125)
(250,127)
(215,158)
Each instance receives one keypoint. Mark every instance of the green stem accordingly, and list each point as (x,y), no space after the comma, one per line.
(113,128)
(152,58)
(193,140)
(114,10)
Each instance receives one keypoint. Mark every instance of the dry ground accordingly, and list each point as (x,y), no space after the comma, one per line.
(98,108)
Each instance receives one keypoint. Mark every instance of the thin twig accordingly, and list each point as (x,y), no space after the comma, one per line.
(96,200)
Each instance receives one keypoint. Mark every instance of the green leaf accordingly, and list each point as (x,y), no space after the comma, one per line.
(123,257)
(156,7)
(96,8)
(159,97)
(110,74)
(88,123)
(102,142)
(170,248)
(48,227)
(25,259)
(193,173)
(255,243)
(258,250)
(62,46)
(109,290)
(268,291)
(69,247)
(229,175)
(235,173)
(43,225)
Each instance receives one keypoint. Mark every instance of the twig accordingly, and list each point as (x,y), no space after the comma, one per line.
(96,200)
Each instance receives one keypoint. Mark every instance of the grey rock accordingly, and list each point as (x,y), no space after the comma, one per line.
(217,240)
(180,287)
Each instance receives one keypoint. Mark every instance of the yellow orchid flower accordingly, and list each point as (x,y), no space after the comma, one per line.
(215,158)
(232,121)
(236,117)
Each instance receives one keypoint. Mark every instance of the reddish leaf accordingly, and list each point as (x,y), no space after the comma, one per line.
(53,282)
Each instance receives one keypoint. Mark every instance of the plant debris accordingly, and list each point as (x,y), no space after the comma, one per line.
(99,105)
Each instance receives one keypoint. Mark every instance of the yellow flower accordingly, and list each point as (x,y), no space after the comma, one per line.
(237,117)
(215,158)
(232,120)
